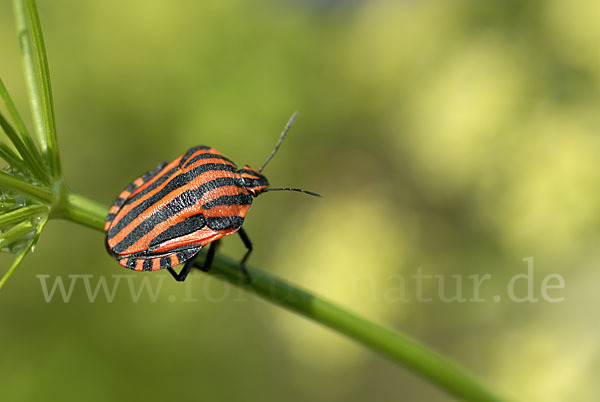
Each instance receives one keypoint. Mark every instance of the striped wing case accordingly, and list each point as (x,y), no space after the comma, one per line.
(167,215)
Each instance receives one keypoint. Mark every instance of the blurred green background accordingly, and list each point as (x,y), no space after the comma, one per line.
(458,137)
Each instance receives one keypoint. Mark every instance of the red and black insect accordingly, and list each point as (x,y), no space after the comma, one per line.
(165,217)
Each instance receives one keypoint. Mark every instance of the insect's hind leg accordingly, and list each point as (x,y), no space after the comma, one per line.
(248,245)
(210,256)
(187,267)
(180,277)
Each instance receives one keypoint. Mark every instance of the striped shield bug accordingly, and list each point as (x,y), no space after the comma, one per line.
(166,216)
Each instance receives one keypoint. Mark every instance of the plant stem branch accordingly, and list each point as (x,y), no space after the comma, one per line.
(46,91)
(26,146)
(18,215)
(41,193)
(29,66)
(28,154)
(81,210)
(16,263)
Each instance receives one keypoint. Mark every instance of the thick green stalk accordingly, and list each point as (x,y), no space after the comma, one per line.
(80,210)
(397,347)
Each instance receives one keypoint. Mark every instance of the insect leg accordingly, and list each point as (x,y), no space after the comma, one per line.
(209,257)
(180,277)
(248,245)
(187,267)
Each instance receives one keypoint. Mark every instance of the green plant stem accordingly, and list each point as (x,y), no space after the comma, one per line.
(46,91)
(15,233)
(41,193)
(29,66)
(25,146)
(10,218)
(26,152)
(23,252)
(80,210)
(15,264)
(396,346)
(10,157)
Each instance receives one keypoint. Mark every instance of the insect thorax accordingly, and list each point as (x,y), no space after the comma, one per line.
(254,181)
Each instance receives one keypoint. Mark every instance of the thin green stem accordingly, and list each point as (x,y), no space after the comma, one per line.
(23,253)
(41,193)
(16,263)
(26,152)
(46,89)
(12,158)
(396,346)
(15,233)
(20,214)
(29,66)
(14,113)
(35,157)
(393,345)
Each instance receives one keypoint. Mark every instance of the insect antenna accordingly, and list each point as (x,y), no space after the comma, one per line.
(281,137)
(294,189)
